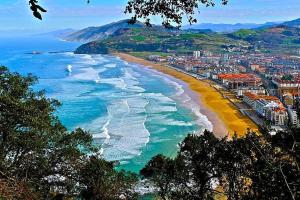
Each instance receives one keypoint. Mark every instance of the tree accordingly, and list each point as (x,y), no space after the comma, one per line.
(252,167)
(191,175)
(195,169)
(38,156)
(101,182)
(171,11)
(35,147)
(160,171)
(36,9)
(233,158)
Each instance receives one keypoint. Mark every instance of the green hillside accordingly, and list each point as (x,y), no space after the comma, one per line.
(281,38)
(139,38)
(157,40)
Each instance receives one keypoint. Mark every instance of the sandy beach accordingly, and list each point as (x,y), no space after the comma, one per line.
(224,116)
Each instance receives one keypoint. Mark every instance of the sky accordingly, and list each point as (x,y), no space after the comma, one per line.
(77,14)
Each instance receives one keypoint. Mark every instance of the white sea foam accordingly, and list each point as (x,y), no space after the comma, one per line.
(105,130)
(160,130)
(126,82)
(202,119)
(127,128)
(116,82)
(132,81)
(161,103)
(87,74)
(93,60)
(188,102)
(165,120)
(69,69)
(111,65)
(69,53)
(123,130)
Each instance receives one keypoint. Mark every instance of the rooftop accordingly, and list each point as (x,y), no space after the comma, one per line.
(238,76)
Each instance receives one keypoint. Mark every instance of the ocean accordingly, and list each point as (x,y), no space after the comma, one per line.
(133,112)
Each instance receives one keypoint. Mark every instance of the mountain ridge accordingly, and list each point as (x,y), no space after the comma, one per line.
(228,27)
(156,39)
(100,32)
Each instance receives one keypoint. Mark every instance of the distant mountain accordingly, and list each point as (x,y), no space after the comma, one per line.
(280,38)
(59,33)
(268,25)
(192,30)
(228,28)
(120,36)
(157,39)
(294,23)
(101,32)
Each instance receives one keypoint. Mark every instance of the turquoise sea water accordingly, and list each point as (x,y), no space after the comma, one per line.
(133,112)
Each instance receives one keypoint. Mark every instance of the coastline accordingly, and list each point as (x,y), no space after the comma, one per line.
(225,117)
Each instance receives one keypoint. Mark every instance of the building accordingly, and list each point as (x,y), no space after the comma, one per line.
(157,58)
(293,116)
(257,90)
(225,57)
(269,107)
(197,54)
(254,67)
(234,81)
(287,86)
(207,53)
(277,116)
(288,99)
(250,98)
(260,107)
(242,69)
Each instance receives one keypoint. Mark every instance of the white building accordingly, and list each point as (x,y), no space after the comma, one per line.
(257,90)
(277,116)
(197,54)
(293,116)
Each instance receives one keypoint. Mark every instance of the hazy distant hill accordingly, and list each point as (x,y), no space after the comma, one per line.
(59,33)
(192,30)
(228,28)
(294,23)
(101,32)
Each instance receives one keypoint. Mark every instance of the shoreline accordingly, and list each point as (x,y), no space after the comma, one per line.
(224,116)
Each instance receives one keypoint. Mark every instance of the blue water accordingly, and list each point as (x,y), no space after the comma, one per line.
(133,112)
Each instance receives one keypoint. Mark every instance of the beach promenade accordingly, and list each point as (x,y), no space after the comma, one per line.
(227,119)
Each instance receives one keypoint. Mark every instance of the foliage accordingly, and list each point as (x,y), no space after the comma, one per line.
(244,33)
(36,9)
(38,155)
(138,38)
(160,171)
(170,11)
(101,181)
(253,167)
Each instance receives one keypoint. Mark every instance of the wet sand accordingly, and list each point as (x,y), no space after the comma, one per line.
(224,116)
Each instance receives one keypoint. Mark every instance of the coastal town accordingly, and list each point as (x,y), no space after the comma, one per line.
(264,87)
